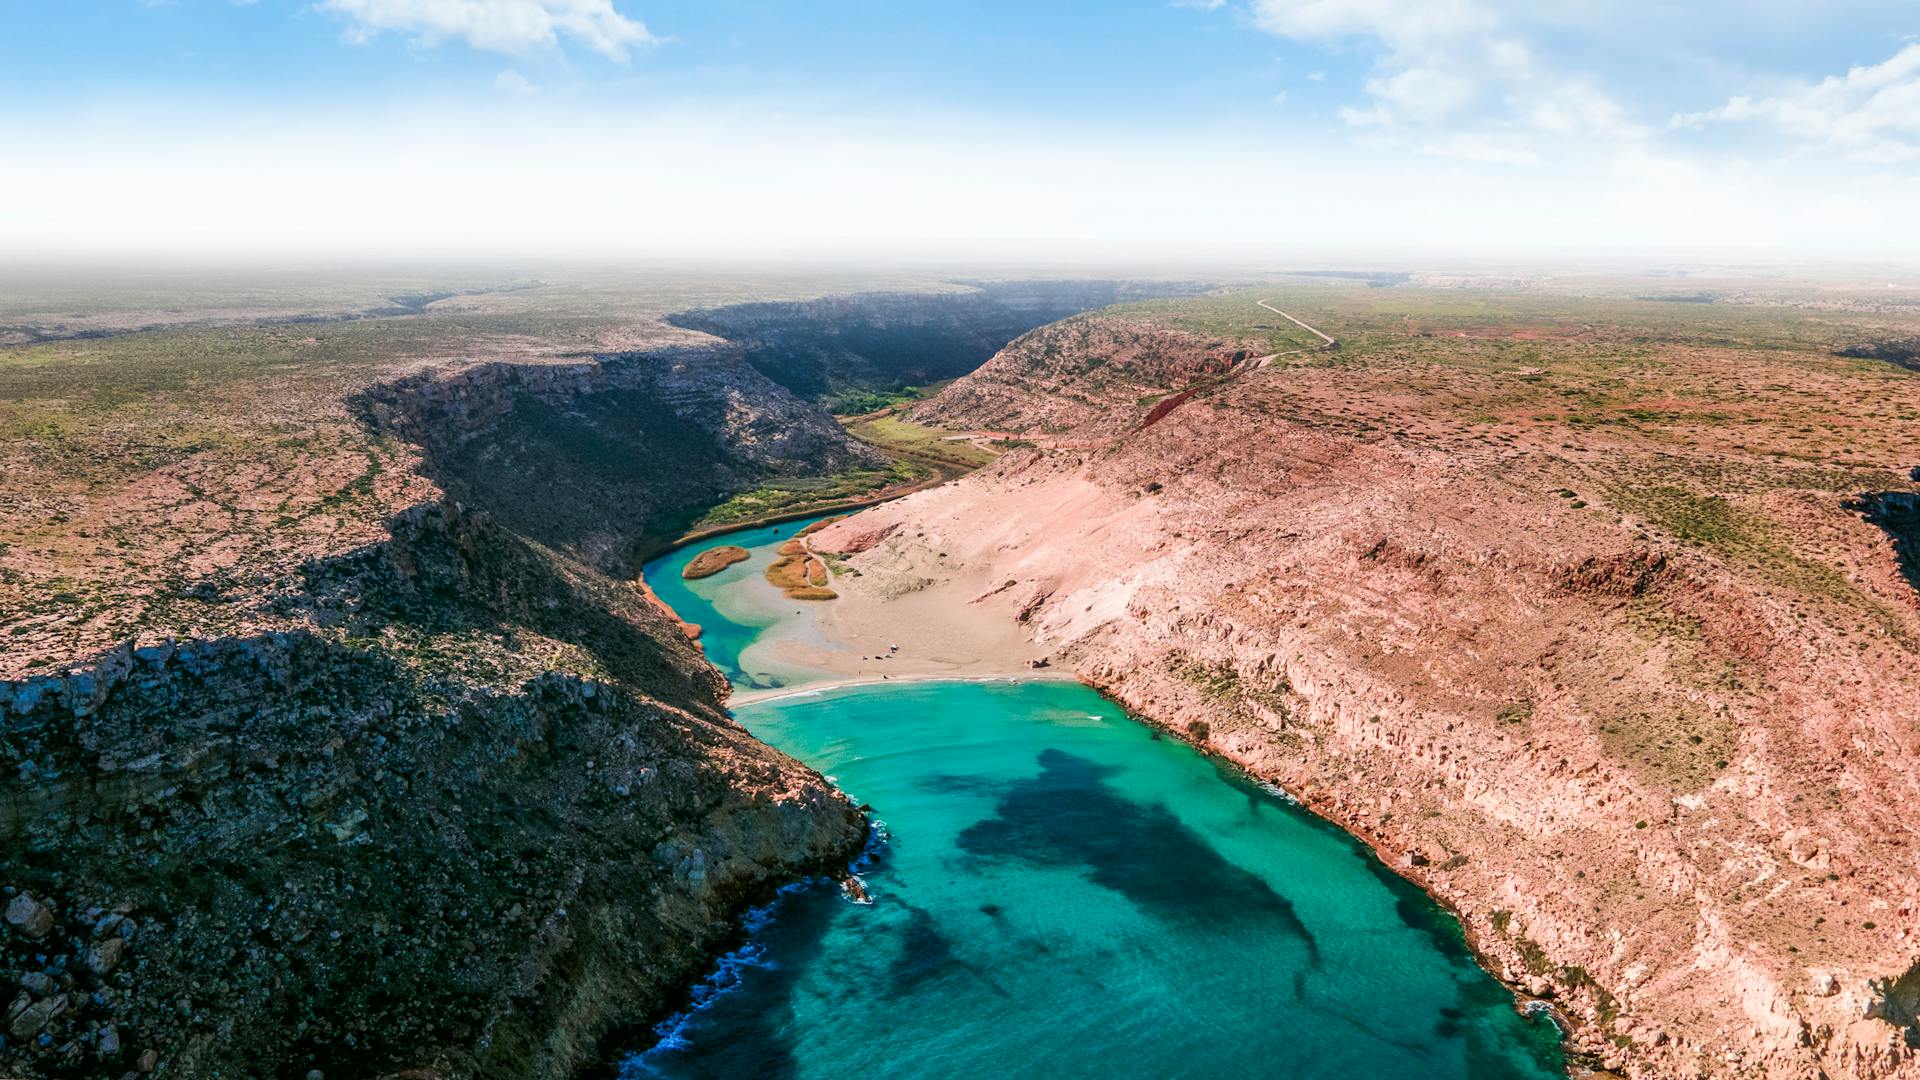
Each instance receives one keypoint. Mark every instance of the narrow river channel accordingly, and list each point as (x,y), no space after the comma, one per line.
(1063,893)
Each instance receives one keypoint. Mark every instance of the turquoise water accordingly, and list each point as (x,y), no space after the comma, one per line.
(738,613)
(1062,893)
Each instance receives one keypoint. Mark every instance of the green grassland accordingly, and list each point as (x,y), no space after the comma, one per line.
(896,434)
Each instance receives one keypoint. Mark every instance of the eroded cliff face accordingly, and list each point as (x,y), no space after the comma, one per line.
(605,457)
(1663,776)
(483,811)
(1083,378)
(455,799)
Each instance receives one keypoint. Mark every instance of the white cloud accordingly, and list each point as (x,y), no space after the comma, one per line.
(1405,26)
(1871,113)
(1453,64)
(1489,148)
(505,26)
(1579,108)
(1422,93)
(512,82)
(1201,5)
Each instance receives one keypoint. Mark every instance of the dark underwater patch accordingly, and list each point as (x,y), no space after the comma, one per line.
(925,952)
(1071,816)
(1419,912)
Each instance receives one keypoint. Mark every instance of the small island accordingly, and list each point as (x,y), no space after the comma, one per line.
(712,561)
(799,573)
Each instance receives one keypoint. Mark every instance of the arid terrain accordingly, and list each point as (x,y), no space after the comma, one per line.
(1594,609)
(343,738)
(1325,539)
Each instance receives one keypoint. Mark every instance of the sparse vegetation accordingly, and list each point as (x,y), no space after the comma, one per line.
(1518,712)
(800,495)
(898,435)
(800,574)
(713,560)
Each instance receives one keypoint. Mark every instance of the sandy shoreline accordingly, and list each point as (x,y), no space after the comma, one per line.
(905,620)
(756,697)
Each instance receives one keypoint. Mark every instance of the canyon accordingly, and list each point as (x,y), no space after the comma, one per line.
(344,741)
(339,740)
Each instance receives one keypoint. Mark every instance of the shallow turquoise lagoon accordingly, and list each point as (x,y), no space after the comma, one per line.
(738,612)
(1061,893)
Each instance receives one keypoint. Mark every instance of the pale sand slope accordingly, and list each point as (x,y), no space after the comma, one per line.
(910,597)
(1347,620)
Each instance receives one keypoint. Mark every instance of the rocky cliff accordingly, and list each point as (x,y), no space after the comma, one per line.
(1558,632)
(605,457)
(337,737)
(442,795)
(482,811)
(1087,377)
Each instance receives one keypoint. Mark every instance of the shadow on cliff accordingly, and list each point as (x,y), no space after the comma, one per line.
(744,1023)
(846,350)
(346,862)
(1897,1001)
(596,459)
(447,570)
(1897,513)
(605,457)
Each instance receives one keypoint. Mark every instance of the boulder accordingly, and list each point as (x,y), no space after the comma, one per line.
(29,916)
(36,1016)
(105,955)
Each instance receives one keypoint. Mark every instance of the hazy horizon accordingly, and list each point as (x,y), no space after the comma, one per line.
(1199,131)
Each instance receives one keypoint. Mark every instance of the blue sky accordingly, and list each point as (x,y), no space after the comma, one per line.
(1444,124)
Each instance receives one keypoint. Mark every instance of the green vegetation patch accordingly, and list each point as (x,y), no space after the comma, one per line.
(1673,743)
(1222,684)
(1740,536)
(860,401)
(797,495)
(897,435)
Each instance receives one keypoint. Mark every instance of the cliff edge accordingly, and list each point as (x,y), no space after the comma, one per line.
(1590,630)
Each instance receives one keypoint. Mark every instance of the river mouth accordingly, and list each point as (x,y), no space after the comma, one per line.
(1060,891)
(742,617)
